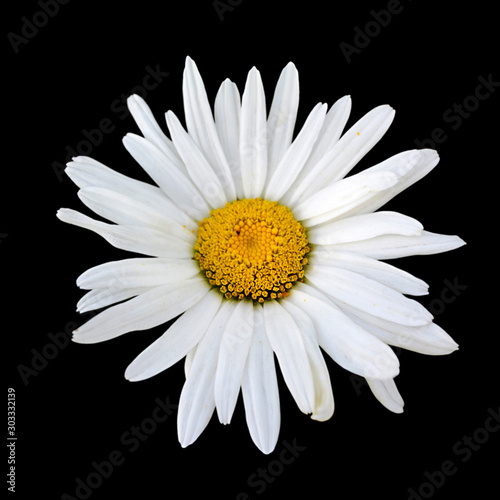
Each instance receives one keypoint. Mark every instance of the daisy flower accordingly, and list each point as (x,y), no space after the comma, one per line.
(262,248)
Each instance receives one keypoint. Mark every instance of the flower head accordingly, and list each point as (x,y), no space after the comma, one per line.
(265,249)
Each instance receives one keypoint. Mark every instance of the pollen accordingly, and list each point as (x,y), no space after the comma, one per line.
(252,249)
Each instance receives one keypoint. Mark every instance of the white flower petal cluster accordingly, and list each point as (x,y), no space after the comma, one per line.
(351,304)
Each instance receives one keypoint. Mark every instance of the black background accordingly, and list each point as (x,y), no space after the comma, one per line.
(76,408)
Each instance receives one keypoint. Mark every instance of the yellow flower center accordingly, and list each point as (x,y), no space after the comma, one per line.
(252,249)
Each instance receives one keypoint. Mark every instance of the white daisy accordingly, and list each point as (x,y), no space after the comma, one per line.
(264,247)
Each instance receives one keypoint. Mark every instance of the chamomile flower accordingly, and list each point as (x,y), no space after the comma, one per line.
(264,248)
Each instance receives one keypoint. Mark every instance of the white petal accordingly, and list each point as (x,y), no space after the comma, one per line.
(286,341)
(409,166)
(345,342)
(336,199)
(152,308)
(233,353)
(260,389)
(138,239)
(123,209)
(201,173)
(282,114)
(173,182)
(362,227)
(149,127)
(334,123)
(201,126)
(328,136)
(197,402)
(296,155)
(346,153)
(103,297)
(227,110)
(133,273)
(323,395)
(396,246)
(365,294)
(429,339)
(179,339)
(86,172)
(371,268)
(188,361)
(253,136)
(387,393)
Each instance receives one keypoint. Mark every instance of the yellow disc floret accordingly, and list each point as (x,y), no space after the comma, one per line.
(252,249)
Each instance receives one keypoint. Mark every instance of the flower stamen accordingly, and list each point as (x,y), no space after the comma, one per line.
(252,248)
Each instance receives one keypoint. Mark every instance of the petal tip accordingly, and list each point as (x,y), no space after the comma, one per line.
(130,375)
(134,98)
